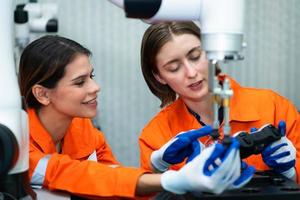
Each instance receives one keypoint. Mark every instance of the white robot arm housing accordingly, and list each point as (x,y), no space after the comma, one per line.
(221,21)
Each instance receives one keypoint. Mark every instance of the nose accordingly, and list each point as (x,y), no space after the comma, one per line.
(190,69)
(94,87)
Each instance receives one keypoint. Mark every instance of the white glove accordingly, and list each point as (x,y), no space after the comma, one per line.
(280,156)
(214,170)
(183,145)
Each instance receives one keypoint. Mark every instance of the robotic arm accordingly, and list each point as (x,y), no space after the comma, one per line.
(221,21)
(14,137)
(31,20)
(222,35)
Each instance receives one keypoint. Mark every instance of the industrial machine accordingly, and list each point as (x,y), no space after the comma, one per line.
(14,137)
(30,20)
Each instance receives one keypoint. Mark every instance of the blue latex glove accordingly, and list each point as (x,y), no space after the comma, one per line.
(216,169)
(253,130)
(247,173)
(280,156)
(184,145)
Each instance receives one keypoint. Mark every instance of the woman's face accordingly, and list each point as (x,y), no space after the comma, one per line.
(182,65)
(76,93)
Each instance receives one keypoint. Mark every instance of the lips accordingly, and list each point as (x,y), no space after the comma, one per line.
(193,85)
(92,101)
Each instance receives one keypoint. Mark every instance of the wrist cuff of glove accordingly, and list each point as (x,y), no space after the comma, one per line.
(170,181)
(290,173)
(157,163)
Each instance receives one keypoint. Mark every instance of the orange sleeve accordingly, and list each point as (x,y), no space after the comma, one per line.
(104,152)
(34,156)
(86,178)
(90,178)
(145,152)
(153,137)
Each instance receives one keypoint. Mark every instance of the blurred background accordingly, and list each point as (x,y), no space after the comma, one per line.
(125,104)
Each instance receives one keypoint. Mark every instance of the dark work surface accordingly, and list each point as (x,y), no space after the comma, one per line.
(264,185)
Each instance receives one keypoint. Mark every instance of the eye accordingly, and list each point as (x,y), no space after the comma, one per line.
(92,75)
(173,67)
(79,83)
(195,55)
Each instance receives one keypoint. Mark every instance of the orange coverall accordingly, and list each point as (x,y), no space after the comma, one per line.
(249,108)
(71,171)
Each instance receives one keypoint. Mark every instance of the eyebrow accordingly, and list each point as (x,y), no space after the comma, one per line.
(82,76)
(175,60)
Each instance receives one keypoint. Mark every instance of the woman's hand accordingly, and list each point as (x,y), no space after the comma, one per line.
(184,145)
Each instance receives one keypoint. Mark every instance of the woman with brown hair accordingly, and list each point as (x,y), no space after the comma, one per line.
(175,68)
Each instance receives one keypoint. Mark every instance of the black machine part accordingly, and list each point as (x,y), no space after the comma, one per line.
(255,142)
(9,150)
(12,186)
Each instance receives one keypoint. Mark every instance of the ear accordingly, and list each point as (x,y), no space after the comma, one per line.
(159,78)
(41,94)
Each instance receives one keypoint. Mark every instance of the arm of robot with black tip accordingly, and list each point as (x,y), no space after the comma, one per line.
(221,21)
(161,10)
(10,101)
(14,137)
